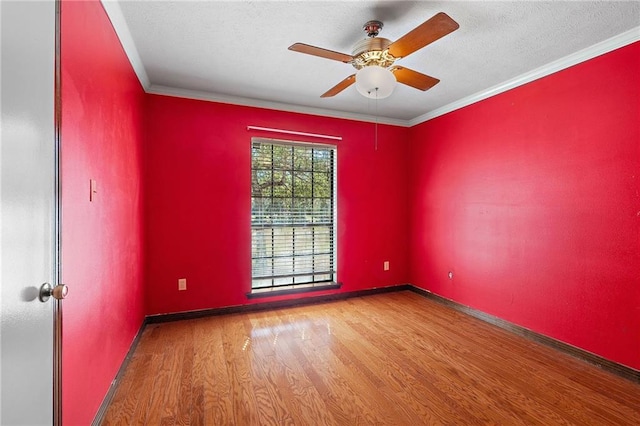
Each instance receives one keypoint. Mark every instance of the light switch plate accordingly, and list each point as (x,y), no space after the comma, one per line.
(182,284)
(93,189)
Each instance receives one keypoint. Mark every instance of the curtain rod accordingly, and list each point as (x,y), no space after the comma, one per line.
(291,132)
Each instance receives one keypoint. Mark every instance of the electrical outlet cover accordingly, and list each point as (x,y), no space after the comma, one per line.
(182,284)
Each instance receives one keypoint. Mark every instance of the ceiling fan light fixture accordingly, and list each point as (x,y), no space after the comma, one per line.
(375,82)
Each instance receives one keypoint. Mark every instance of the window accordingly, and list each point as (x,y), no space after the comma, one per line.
(292,215)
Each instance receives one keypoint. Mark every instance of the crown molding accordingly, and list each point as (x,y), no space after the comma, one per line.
(583,55)
(119,24)
(257,103)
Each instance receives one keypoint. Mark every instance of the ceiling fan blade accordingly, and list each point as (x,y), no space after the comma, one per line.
(414,78)
(318,51)
(431,30)
(340,86)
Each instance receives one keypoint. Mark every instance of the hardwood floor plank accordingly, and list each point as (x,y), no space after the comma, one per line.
(342,401)
(444,382)
(238,365)
(125,404)
(147,390)
(125,401)
(167,421)
(369,361)
(300,396)
(185,392)
(270,389)
(122,402)
(504,392)
(210,372)
(163,405)
(176,353)
(388,359)
(196,417)
(548,367)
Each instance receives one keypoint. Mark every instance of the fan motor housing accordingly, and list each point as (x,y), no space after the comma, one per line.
(372,51)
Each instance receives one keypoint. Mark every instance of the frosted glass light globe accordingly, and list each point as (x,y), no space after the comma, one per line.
(373,77)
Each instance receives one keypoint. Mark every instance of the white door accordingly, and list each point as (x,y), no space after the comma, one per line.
(28,213)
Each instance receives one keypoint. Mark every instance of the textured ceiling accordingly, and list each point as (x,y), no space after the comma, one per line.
(237,50)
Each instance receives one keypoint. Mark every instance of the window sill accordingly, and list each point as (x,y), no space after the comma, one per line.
(273,292)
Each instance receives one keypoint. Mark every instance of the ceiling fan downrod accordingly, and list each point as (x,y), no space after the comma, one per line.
(372,28)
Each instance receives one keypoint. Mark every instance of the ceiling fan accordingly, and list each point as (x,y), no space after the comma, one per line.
(374,58)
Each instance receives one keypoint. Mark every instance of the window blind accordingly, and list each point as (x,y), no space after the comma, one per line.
(292,214)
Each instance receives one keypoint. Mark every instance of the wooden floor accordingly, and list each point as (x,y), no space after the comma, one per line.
(390,359)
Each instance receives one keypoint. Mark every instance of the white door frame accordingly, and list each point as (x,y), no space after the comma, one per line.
(57,220)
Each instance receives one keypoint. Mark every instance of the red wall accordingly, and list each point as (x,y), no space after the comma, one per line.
(102,104)
(198,201)
(532,199)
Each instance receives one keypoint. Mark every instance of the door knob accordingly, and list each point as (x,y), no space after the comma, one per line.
(58,292)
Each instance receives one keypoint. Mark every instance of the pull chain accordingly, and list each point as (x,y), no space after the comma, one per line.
(375,139)
(376,136)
